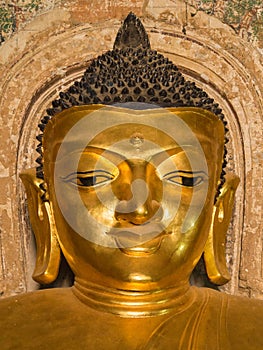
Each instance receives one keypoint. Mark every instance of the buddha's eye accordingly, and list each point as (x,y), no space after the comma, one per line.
(89,178)
(183,178)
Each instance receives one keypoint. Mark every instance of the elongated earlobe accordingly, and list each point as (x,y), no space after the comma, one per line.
(214,253)
(42,221)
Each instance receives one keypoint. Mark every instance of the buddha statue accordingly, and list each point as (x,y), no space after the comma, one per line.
(131,187)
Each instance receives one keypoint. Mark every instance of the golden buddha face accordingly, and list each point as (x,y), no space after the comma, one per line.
(132,191)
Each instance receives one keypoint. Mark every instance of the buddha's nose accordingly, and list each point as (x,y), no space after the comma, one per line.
(139,196)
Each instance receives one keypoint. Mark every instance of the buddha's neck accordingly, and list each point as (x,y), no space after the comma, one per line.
(134,303)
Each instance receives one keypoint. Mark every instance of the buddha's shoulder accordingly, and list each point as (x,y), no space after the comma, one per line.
(34,305)
(234,307)
(214,320)
(40,319)
(241,318)
(28,306)
(34,300)
(245,326)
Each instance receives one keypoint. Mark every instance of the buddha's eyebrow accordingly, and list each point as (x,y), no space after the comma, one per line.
(84,173)
(186,172)
(164,154)
(101,151)
(77,153)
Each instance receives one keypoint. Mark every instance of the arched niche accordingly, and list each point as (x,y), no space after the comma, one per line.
(52,60)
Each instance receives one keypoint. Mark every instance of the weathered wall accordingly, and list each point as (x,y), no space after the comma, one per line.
(245,17)
(46,48)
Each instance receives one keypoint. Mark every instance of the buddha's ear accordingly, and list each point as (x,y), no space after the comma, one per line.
(42,221)
(215,252)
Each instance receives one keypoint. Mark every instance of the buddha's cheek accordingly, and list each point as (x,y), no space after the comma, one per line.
(84,213)
(187,234)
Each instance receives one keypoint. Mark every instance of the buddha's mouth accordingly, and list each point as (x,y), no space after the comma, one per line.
(147,248)
(139,240)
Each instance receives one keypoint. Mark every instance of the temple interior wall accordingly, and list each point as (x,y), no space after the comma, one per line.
(48,47)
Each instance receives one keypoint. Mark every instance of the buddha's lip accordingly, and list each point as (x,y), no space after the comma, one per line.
(139,240)
(147,248)
(137,234)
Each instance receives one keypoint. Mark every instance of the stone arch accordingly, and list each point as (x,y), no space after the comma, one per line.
(57,54)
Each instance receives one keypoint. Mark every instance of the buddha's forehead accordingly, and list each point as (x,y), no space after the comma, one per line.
(125,130)
(92,123)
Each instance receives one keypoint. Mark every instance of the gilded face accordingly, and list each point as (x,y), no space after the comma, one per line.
(133,191)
